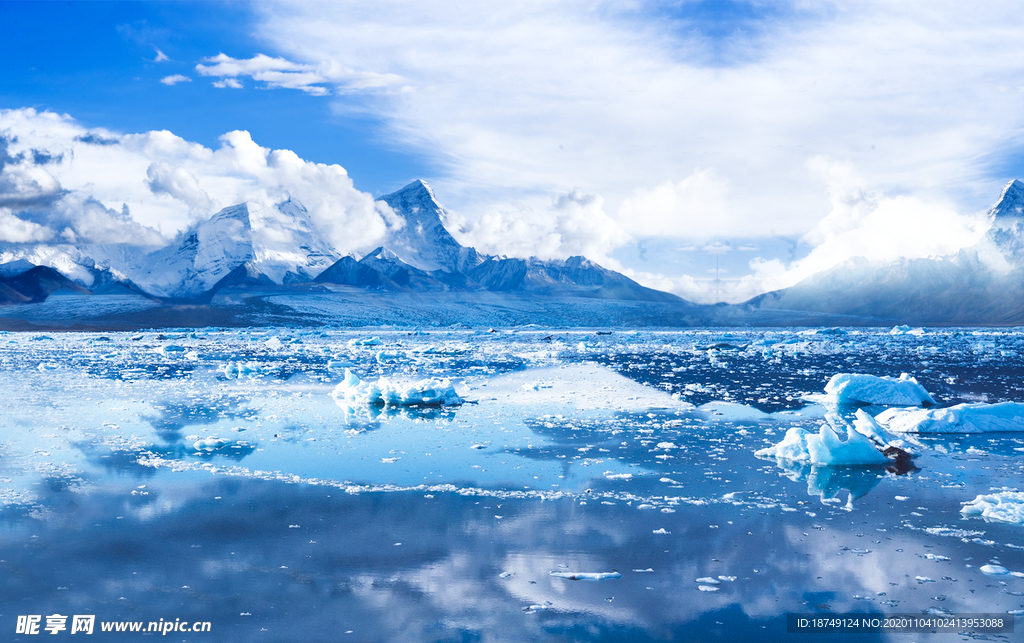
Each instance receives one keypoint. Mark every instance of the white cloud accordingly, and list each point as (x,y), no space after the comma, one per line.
(233,83)
(528,101)
(108,187)
(16,230)
(178,183)
(282,73)
(864,223)
(161,57)
(573,223)
(175,79)
(696,206)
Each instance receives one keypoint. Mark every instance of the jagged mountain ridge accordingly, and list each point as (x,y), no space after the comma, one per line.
(254,246)
(980,284)
(278,243)
(424,241)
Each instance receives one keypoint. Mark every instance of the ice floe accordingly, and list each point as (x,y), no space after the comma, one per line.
(587,386)
(836,443)
(1005,506)
(587,575)
(962,418)
(353,392)
(209,444)
(859,389)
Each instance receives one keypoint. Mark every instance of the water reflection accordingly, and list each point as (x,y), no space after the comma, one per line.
(270,561)
(828,482)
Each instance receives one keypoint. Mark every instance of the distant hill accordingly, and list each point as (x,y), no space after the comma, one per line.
(979,285)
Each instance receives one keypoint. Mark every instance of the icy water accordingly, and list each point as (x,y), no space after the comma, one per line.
(209,476)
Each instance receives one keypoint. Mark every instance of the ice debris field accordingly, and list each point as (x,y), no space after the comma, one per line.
(512,484)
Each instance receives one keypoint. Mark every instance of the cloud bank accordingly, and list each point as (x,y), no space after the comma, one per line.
(681,132)
(61,182)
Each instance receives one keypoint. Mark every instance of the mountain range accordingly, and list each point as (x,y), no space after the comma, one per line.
(980,284)
(254,246)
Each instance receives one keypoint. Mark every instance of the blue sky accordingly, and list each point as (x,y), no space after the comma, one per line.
(95,61)
(779,137)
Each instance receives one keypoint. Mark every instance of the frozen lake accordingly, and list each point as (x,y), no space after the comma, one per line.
(597,486)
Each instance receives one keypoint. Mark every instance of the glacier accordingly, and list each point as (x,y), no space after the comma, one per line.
(859,388)
(968,417)
(352,392)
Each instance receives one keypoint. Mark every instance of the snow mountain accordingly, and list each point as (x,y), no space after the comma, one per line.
(424,241)
(246,243)
(980,284)
(255,246)
(422,256)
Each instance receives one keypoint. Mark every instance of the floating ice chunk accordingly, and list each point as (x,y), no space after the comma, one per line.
(649,570)
(238,370)
(505,575)
(353,392)
(209,444)
(924,579)
(708,580)
(587,575)
(274,343)
(535,386)
(858,388)
(994,570)
(366,341)
(708,588)
(962,418)
(906,330)
(536,607)
(826,447)
(727,578)
(866,425)
(733,412)
(383,357)
(1005,506)
(617,476)
(939,557)
(661,531)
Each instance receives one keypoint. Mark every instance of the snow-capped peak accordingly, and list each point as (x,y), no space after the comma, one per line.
(1002,247)
(424,241)
(280,242)
(1011,202)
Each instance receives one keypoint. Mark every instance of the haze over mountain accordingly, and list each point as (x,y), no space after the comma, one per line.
(980,284)
(256,248)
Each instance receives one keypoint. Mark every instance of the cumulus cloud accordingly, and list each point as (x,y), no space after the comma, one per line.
(175,79)
(573,223)
(23,185)
(627,100)
(16,230)
(103,187)
(865,223)
(161,57)
(282,73)
(696,206)
(178,183)
(233,83)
